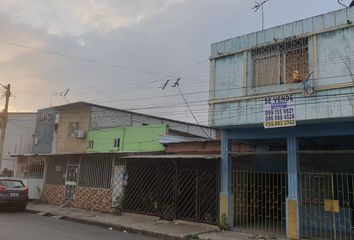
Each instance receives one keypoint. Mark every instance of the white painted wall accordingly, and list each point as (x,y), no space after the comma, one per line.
(35,186)
(18,137)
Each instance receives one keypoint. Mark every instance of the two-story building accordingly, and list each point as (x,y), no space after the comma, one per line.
(85,127)
(288,91)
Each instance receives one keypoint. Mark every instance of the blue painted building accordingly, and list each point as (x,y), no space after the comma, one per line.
(288,90)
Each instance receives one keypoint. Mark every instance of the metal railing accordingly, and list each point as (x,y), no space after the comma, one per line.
(186,189)
(327,205)
(260,201)
(95,171)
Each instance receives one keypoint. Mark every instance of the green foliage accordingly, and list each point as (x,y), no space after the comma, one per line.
(223,223)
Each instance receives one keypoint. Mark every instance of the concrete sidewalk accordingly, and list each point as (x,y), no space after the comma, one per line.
(141,224)
(133,223)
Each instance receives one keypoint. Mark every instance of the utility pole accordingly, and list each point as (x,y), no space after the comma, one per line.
(4,118)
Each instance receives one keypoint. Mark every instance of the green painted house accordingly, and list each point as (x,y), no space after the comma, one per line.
(127,139)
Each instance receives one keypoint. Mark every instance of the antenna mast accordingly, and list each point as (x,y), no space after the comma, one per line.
(260,6)
(340,2)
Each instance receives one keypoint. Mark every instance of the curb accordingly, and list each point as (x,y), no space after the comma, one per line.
(117,227)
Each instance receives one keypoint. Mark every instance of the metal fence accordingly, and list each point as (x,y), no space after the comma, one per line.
(56,169)
(96,171)
(327,205)
(173,189)
(260,201)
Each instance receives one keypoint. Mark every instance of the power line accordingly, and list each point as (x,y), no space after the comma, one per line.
(209,91)
(257,99)
(176,84)
(84,59)
(191,93)
(228,89)
(240,110)
(95,87)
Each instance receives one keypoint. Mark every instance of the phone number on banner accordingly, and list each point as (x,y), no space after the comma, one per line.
(280,123)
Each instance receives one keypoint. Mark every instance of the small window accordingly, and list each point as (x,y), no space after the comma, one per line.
(145,124)
(73,128)
(116,142)
(91,144)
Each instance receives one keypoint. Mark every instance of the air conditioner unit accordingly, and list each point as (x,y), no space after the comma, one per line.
(80,133)
(56,120)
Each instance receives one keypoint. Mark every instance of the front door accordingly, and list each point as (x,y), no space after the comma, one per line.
(71,182)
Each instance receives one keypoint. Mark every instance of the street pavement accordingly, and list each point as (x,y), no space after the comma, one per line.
(26,226)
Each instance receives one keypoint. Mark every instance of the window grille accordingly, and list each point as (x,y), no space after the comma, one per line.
(283,63)
(36,169)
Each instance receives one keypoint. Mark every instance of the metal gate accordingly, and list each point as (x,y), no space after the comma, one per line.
(260,201)
(173,189)
(71,182)
(327,206)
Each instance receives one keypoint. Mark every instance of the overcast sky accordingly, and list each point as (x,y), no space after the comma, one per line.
(165,38)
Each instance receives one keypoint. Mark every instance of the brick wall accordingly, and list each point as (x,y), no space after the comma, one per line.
(93,199)
(54,194)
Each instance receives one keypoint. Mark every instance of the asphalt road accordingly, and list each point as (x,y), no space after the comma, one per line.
(26,226)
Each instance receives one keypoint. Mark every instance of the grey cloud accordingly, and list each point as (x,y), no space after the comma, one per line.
(162,36)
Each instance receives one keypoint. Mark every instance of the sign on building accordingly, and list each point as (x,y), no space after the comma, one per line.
(279,111)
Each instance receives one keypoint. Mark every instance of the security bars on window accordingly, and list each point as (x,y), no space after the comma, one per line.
(283,63)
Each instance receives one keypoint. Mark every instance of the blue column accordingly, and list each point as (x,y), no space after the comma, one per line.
(293,213)
(226,195)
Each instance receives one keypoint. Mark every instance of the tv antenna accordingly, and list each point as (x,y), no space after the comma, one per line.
(60,94)
(340,2)
(260,6)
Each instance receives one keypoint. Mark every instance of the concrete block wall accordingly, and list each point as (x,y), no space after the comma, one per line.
(106,118)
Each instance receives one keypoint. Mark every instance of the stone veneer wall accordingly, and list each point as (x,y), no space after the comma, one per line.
(54,194)
(93,199)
